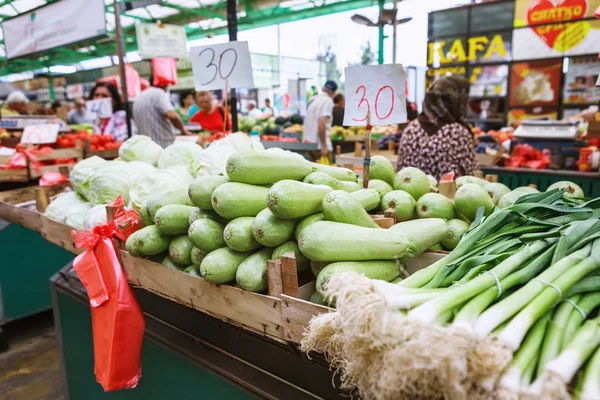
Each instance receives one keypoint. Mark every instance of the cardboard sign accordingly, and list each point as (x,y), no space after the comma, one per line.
(101,108)
(40,134)
(161,41)
(377,91)
(222,65)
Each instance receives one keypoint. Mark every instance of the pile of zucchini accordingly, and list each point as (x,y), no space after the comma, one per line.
(273,202)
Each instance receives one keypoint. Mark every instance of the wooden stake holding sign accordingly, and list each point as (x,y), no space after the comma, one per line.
(375,95)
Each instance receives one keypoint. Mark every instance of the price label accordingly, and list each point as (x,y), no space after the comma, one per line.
(101,108)
(187,138)
(222,65)
(40,134)
(375,91)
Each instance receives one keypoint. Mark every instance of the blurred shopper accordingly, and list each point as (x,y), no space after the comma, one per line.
(16,104)
(79,115)
(155,115)
(440,141)
(253,111)
(317,124)
(268,108)
(115,124)
(211,116)
(186,101)
(339,104)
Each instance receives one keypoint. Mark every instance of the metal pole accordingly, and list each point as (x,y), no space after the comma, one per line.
(394,25)
(51,86)
(121,56)
(279,54)
(381,36)
(232,28)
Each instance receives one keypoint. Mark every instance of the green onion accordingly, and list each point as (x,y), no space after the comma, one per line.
(585,306)
(590,389)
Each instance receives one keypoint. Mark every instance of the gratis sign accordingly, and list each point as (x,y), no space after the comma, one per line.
(54,25)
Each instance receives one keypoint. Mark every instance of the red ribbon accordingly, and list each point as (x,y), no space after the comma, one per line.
(19,159)
(51,178)
(117,319)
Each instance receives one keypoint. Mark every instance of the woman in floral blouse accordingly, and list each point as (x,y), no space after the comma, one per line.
(440,141)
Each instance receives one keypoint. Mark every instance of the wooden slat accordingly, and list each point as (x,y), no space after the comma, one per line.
(61,153)
(297,313)
(59,234)
(14,175)
(23,195)
(255,312)
(27,218)
(289,274)
(274,279)
(41,199)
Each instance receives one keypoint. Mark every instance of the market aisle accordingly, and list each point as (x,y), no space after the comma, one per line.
(30,369)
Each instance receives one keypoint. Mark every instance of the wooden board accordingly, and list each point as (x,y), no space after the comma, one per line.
(25,217)
(106,154)
(256,312)
(59,234)
(357,162)
(14,175)
(297,312)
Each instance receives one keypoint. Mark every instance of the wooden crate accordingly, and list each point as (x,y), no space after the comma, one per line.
(255,312)
(29,173)
(297,311)
(106,154)
(20,206)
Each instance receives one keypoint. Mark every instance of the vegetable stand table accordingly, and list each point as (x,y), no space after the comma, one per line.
(542,178)
(28,261)
(186,354)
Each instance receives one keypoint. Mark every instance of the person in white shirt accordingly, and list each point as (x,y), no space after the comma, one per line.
(253,111)
(317,123)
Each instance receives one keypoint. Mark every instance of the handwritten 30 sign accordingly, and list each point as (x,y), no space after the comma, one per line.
(377,91)
(222,65)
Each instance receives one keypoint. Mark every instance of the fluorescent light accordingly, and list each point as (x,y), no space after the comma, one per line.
(63,69)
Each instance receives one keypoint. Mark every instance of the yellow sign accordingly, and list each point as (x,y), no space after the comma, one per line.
(477,48)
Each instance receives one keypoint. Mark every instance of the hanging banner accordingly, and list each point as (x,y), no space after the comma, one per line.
(54,25)
(161,41)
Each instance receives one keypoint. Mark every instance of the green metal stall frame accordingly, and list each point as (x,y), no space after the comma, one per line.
(515,177)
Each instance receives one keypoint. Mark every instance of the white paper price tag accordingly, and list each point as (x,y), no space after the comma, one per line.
(186,138)
(101,108)
(220,65)
(375,90)
(40,134)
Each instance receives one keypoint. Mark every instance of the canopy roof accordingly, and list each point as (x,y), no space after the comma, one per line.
(201,18)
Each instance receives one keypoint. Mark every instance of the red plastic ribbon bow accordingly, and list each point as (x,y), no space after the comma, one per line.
(51,178)
(19,159)
(117,319)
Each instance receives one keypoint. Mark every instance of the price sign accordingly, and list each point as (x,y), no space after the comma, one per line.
(40,134)
(222,65)
(187,138)
(101,108)
(377,91)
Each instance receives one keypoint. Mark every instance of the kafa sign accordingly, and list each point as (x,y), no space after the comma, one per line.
(54,25)
(480,48)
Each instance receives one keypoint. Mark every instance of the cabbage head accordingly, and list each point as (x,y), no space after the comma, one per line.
(82,172)
(96,215)
(108,182)
(183,153)
(140,148)
(68,207)
(172,177)
(139,170)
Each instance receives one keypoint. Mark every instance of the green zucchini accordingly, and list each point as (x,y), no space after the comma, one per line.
(232,200)
(207,235)
(252,273)
(264,167)
(220,266)
(381,168)
(381,270)
(180,250)
(423,233)
(164,197)
(197,256)
(321,178)
(292,199)
(317,266)
(192,270)
(271,231)
(306,222)
(238,235)
(401,202)
(334,241)
(173,219)
(202,188)
(302,262)
(148,241)
(199,213)
(382,187)
(169,263)
(340,206)
(339,173)
(369,199)
(350,186)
